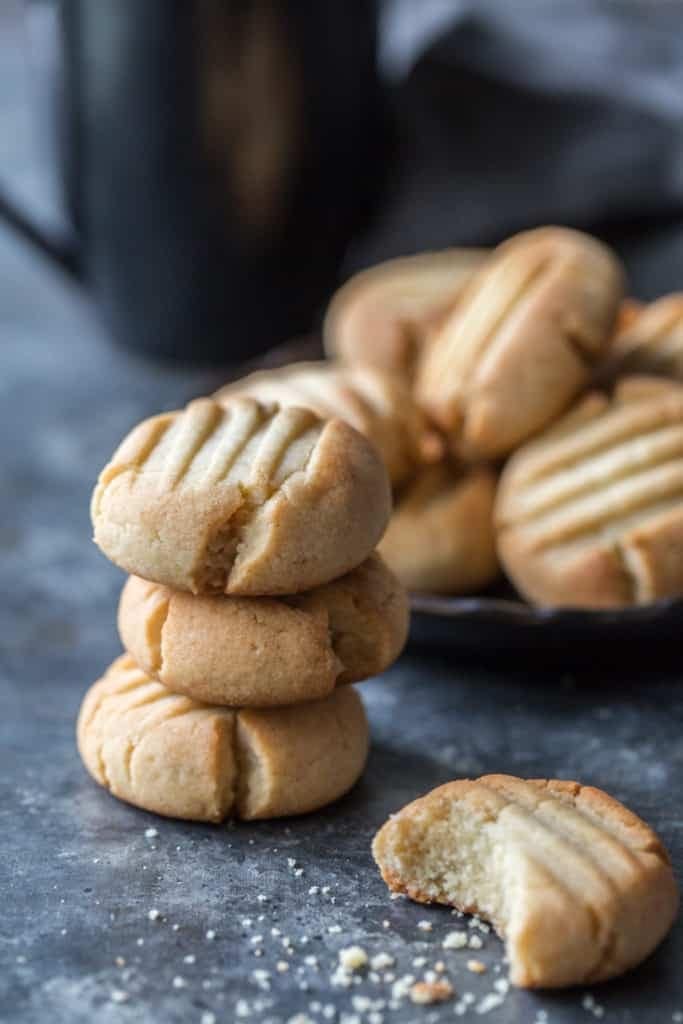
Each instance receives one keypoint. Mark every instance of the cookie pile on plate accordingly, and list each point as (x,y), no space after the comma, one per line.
(505,391)
(255,598)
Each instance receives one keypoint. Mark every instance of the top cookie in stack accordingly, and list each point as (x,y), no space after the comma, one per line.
(241,498)
(249,530)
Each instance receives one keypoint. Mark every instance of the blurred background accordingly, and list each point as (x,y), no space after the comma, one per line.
(209,171)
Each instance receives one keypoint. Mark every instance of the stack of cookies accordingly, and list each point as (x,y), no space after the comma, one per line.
(255,597)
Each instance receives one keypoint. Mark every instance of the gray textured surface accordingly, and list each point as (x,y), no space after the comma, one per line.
(77,873)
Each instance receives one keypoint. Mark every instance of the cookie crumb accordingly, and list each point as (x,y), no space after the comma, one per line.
(189,959)
(476,967)
(179,982)
(210,935)
(207,1017)
(153,914)
(381,960)
(117,995)
(402,987)
(425,992)
(353,958)
(475,942)
(120,961)
(334,929)
(455,940)
(490,1002)
(281,966)
(314,890)
(151,833)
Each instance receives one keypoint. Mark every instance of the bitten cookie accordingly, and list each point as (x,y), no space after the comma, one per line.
(377,404)
(590,513)
(580,888)
(185,759)
(382,316)
(650,342)
(440,537)
(521,341)
(241,499)
(261,651)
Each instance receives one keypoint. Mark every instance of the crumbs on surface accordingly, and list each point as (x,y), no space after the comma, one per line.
(426,992)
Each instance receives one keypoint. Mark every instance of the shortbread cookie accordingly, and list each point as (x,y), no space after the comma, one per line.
(184,759)
(591,513)
(440,537)
(241,499)
(580,888)
(629,311)
(651,342)
(376,403)
(521,341)
(382,316)
(263,651)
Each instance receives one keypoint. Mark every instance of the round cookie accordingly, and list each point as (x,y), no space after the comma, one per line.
(184,759)
(589,514)
(650,342)
(376,403)
(581,888)
(262,651)
(241,498)
(521,340)
(382,316)
(440,538)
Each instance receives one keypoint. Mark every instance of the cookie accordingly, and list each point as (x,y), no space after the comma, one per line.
(440,537)
(185,759)
(376,403)
(263,651)
(382,316)
(241,498)
(521,341)
(580,888)
(590,514)
(651,342)
(629,311)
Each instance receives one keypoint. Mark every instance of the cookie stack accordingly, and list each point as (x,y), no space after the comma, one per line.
(255,594)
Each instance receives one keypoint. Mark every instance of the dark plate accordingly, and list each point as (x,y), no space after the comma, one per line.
(500,625)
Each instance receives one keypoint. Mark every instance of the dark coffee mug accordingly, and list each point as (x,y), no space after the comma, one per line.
(217,158)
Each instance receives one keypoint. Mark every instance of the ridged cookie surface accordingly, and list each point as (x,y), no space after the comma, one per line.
(651,341)
(440,537)
(184,759)
(580,888)
(382,316)
(376,403)
(262,651)
(241,498)
(521,341)
(591,512)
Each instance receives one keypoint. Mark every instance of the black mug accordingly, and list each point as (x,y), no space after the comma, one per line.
(217,157)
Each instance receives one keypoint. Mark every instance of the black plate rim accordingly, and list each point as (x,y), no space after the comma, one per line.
(520,613)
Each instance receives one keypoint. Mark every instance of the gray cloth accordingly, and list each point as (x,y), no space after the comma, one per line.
(516,114)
